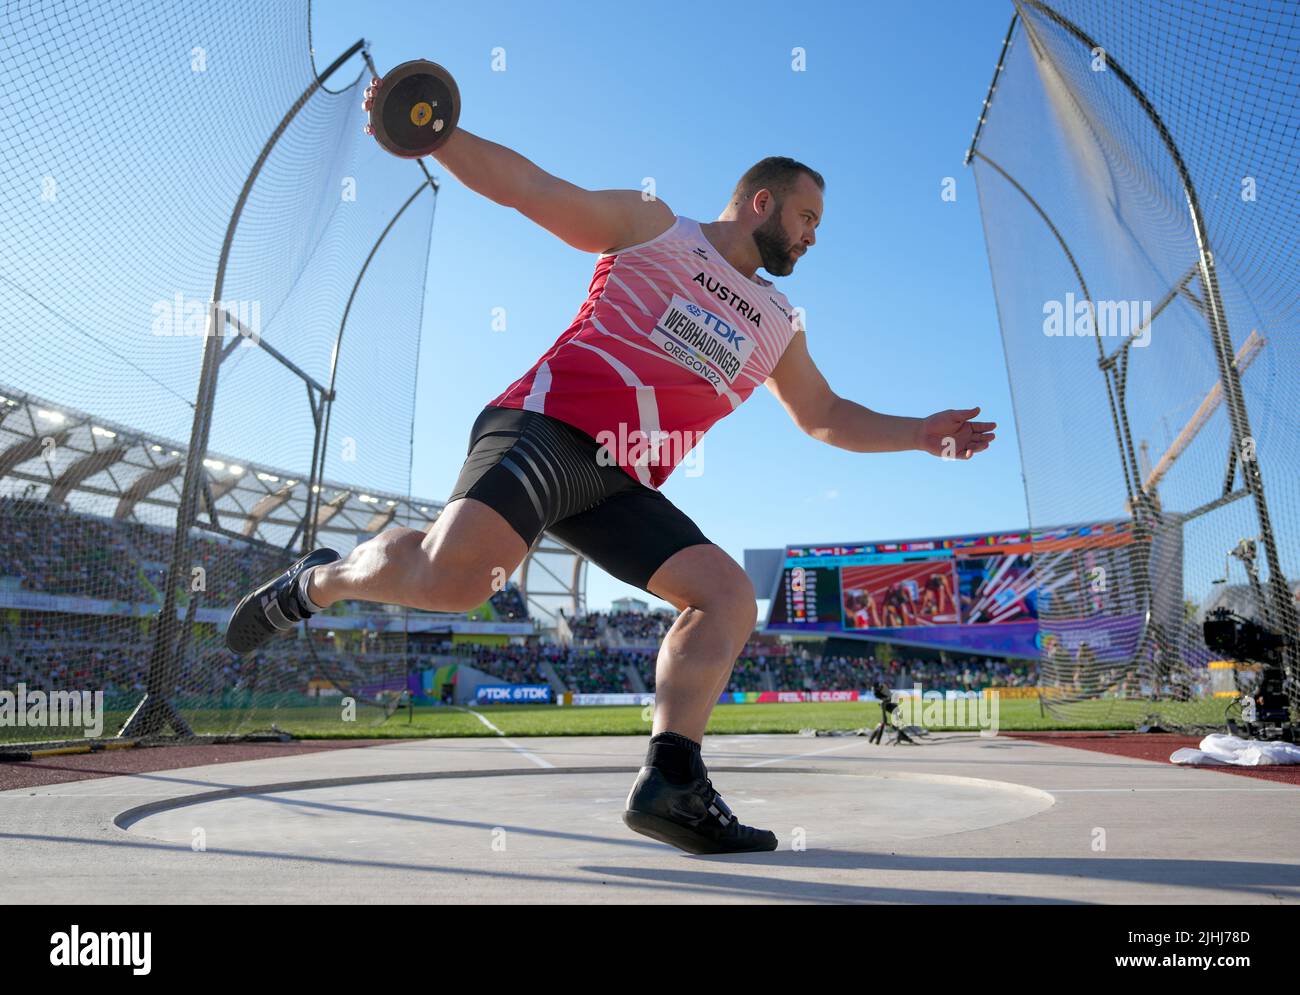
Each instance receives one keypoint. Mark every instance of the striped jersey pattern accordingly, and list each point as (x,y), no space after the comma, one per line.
(670,339)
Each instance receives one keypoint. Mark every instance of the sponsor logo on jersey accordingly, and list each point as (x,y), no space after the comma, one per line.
(779,306)
(703,342)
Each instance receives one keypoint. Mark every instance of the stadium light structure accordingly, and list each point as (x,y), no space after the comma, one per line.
(540,567)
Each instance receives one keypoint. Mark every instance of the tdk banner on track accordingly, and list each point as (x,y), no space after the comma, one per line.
(512,693)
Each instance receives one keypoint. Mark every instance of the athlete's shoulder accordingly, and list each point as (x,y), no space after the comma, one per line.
(665,226)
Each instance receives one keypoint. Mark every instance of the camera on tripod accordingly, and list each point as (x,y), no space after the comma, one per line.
(887,708)
(1266,715)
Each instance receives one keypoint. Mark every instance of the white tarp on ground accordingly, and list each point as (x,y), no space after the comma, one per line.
(1220,749)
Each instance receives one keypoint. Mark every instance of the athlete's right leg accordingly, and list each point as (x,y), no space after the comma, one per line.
(523,472)
(464,557)
(520,474)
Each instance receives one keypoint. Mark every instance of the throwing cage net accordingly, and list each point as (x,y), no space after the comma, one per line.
(211,291)
(1136,166)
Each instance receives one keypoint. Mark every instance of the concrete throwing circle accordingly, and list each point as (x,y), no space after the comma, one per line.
(567,814)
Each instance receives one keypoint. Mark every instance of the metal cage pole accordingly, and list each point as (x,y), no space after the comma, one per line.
(155,711)
(1147,517)
(1144,509)
(1138,499)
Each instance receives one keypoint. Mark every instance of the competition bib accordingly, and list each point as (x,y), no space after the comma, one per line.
(703,342)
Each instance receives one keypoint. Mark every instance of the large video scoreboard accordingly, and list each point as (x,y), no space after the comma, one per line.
(973,592)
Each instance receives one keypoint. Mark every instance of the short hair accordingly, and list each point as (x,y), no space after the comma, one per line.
(777,173)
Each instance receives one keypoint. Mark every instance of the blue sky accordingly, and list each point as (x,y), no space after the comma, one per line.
(900,309)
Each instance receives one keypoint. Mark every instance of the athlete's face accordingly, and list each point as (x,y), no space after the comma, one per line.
(791,229)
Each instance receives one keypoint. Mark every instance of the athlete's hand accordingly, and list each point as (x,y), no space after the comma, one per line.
(952,435)
(375,83)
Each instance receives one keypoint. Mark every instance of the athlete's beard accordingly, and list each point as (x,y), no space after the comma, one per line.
(774,246)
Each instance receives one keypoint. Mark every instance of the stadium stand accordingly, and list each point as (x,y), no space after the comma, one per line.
(52,550)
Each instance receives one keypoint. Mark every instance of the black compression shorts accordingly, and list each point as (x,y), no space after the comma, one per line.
(542,475)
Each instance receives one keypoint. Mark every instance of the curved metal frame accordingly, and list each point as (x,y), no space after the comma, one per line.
(311,55)
(1146,514)
(322,431)
(1138,498)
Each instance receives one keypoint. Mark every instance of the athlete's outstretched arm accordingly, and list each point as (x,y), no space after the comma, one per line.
(800,387)
(588,220)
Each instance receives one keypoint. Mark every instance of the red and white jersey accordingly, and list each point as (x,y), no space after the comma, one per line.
(670,338)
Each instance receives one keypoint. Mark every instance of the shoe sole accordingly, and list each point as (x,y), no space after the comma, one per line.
(683,838)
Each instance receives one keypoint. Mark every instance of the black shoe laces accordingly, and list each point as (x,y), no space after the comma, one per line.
(716,799)
(712,797)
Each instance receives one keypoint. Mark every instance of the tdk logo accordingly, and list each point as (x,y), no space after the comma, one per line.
(723,330)
(702,342)
(719,327)
(516,692)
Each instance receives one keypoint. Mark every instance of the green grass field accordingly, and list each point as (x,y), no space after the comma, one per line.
(541,720)
(324,722)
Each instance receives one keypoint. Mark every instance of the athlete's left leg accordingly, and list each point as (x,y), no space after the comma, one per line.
(639,536)
(718,612)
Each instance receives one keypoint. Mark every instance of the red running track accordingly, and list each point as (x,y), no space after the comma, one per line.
(1155,746)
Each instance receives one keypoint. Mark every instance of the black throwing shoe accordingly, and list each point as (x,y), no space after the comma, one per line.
(272,608)
(691,816)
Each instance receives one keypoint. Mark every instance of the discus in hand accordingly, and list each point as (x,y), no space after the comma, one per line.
(413,109)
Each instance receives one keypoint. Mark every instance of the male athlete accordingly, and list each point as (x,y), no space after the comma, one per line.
(675,333)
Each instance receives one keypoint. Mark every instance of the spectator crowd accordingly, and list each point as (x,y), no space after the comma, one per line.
(48,548)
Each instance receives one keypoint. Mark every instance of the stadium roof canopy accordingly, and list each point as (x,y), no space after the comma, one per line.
(50,451)
(95,466)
